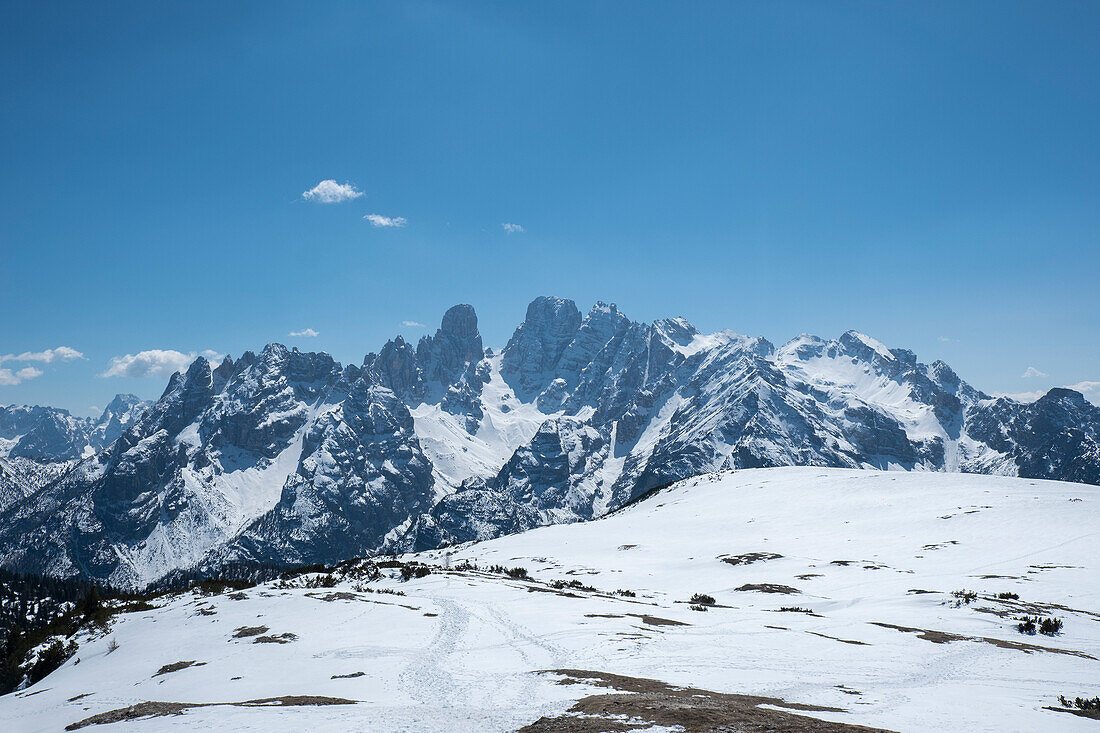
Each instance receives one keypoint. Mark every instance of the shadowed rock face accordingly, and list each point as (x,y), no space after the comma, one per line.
(288,457)
(455,345)
(535,349)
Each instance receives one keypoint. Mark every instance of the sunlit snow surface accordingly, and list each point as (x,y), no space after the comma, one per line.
(457,652)
(456,454)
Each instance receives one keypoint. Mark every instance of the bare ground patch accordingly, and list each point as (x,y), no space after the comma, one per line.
(945,637)
(657,620)
(769,588)
(637,703)
(244,632)
(837,638)
(177,666)
(1092,714)
(158,709)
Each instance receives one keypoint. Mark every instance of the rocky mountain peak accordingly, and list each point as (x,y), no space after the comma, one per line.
(537,345)
(456,344)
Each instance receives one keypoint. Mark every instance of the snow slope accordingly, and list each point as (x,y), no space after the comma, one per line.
(866,551)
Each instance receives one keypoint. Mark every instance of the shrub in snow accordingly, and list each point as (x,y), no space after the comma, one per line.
(574,584)
(1031,624)
(1050,626)
(413,570)
(1080,703)
(702,599)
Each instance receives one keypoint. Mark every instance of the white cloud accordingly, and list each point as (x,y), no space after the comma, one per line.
(412,324)
(1089,389)
(306,333)
(331,192)
(512,228)
(377,220)
(8,378)
(153,363)
(947,340)
(1031,372)
(61,353)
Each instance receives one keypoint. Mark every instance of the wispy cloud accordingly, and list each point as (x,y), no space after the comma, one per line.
(10,378)
(331,192)
(1020,396)
(153,363)
(305,333)
(61,353)
(1090,389)
(947,340)
(1032,372)
(377,220)
(512,228)
(412,324)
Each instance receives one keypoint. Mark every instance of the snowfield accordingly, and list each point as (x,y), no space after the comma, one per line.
(871,558)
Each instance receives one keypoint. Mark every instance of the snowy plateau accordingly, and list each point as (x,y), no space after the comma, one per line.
(775,599)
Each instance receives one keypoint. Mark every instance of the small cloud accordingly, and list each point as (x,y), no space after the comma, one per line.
(512,228)
(154,363)
(9,378)
(377,220)
(61,353)
(331,192)
(412,324)
(305,333)
(947,340)
(1031,372)
(94,409)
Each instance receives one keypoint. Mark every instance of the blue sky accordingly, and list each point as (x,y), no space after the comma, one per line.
(928,173)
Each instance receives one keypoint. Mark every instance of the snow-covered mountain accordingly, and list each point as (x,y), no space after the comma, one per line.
(38,444)
(289,457)
(52,435)
(864,598)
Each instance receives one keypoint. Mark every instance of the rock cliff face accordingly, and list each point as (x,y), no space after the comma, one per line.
(289,457)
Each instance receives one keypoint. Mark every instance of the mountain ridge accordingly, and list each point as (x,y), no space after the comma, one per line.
(290,457)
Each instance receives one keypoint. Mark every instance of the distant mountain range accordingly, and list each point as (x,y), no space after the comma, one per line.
(289,457)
